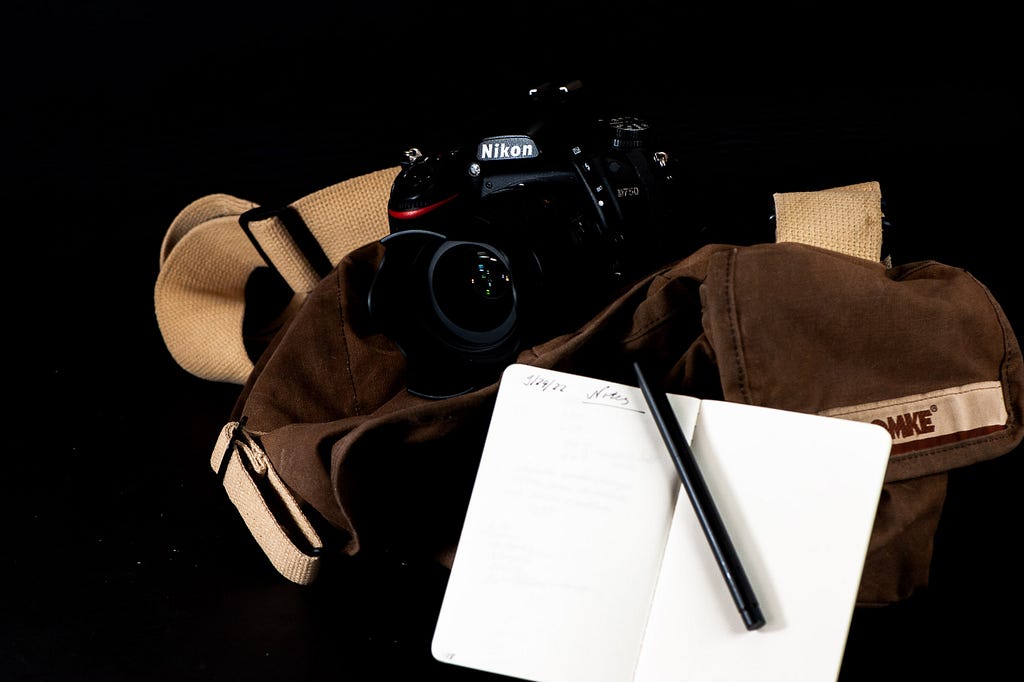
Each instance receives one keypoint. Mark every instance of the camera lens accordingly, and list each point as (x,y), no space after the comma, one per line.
(472,288)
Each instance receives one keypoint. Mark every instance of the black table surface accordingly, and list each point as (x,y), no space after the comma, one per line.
(124,559)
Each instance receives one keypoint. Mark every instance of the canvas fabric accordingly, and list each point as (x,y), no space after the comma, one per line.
(335,457)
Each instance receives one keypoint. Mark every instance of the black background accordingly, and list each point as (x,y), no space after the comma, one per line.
(123,557)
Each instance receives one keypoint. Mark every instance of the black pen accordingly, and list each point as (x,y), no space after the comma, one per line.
(697,490)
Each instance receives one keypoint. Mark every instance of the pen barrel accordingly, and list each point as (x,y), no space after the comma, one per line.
(719,540)
(703,504)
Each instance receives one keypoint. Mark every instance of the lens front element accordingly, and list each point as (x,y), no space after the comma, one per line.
(472,290)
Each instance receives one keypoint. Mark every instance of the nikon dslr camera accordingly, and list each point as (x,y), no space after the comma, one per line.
(516,238)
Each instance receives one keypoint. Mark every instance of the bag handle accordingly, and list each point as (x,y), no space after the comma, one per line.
(214,244)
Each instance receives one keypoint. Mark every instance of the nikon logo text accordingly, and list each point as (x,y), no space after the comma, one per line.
(507,147)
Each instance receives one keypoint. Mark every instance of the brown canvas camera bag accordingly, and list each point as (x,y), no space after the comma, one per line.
(327,453)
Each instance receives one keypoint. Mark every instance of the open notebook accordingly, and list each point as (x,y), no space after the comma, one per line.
(576,564)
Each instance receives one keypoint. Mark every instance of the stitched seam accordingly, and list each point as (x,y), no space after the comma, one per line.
(734,331)
(1008,386)
(356,402)
(910,456)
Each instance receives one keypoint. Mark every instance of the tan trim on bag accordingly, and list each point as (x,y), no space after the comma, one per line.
(927,420)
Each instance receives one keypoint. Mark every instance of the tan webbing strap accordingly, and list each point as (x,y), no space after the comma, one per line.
(340,218)
(207,258)
(199,297)
(844,219)
(247,475)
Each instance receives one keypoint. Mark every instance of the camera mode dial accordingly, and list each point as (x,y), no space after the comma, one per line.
(628,132)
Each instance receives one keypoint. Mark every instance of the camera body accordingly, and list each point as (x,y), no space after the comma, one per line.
(516,238)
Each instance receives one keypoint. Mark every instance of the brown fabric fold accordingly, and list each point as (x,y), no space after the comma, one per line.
(784,325)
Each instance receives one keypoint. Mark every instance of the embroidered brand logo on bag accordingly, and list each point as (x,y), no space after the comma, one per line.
(909,423)
(935,418)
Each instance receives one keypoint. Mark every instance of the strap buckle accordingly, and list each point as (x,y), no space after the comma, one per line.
(298,232)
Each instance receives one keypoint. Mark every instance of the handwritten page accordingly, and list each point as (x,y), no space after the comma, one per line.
(576,563)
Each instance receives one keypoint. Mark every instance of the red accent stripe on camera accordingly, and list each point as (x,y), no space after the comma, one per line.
(417,212)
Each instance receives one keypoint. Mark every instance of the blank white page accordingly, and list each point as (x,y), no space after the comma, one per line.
(799,494)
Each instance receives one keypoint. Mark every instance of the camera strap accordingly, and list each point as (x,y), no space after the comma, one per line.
(215,244)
